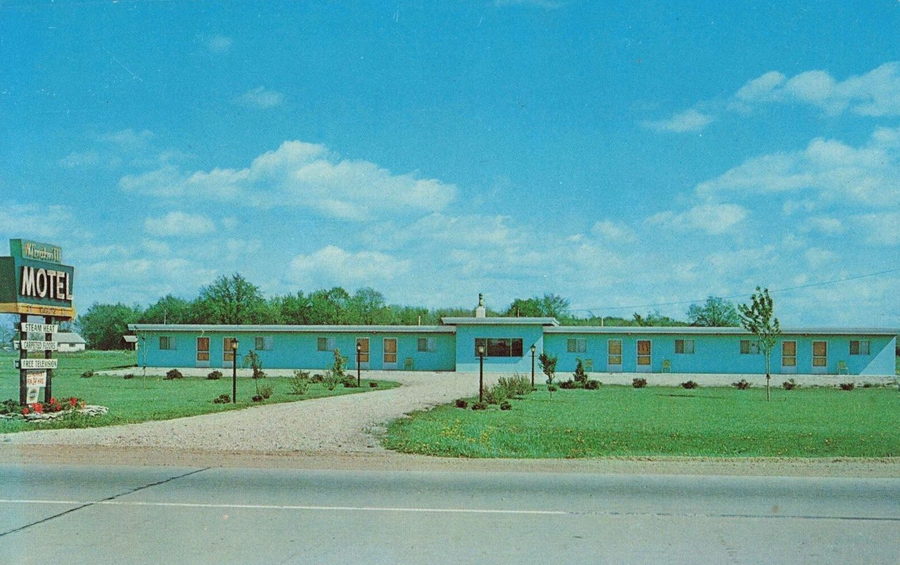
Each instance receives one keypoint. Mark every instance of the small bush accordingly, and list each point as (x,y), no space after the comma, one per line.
(257,398)
(516,385)
(592,384)
(462,403)
(265,391)
(846,386)
(349,382)
(214,375)
(789,385)
(331,380)
(373,384)
(505,405)
(579,375)
(741,384)
(551,388)
(9,406)
(128,376)
(639,382)
(568,385)
(317,378)
(495,394)
(300,382)
(174,374)
(88,374)
(480,406)
(689,384)
(222,399)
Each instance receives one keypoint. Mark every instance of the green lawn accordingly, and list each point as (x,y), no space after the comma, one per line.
(623,421)
(145,398)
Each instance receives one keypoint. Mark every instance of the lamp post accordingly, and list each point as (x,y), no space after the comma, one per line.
(358,354)
(481,372)
(533,349)
(234,348)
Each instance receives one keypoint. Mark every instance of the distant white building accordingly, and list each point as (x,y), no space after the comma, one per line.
(69,342)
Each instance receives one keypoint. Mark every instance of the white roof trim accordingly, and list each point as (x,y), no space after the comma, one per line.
(504,321)
(214,328)
(694,330)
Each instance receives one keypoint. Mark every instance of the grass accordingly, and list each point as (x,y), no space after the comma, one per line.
(656,421)
(146,398)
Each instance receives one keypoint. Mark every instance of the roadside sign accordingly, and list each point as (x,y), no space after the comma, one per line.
(33,394)
(28,327)
(38,345)
(36,363)
(36,379)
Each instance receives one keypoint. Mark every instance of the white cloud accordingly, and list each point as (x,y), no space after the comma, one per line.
(714,219)
(332,265)
(817,257)
(79,159)
(868,175)
(179,223)
(218,44)
(260,97)
(304,175)
(128,138)
(876,93)
(156,247)
(689,120)
(826,225)
(35,221)
(613,231)
(881,228)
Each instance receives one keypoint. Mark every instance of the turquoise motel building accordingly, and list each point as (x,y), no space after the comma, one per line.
(510,343)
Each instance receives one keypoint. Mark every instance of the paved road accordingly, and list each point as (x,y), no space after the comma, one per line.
(217,515)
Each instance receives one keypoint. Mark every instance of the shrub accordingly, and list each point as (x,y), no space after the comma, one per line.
(174,374)
(741,384)
(9,406)
(592,384)
(317,378)
(516,385)
(88,374)
(639,382)
(789,385)
(568,385)
(214,375)
(579,374)
(495,394)
(846,386)
(462,403)
(257,398)
(300,382)
(349,382)
(128,376)
(551,388)
(505,405)
(479,406)
(331,380)
(222,399)
(689,384)
(373,384)
(548,366)
(265,391)
(339,363)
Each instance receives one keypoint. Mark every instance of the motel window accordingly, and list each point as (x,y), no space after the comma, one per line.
(263,343)
(820,354)
(749,347)
(426,344)
(576,345)
(325,344)
(789,354)
(614,352)
(166,342)
(499,347)
(227,352)
(685,346)
(859,347)
(202,349)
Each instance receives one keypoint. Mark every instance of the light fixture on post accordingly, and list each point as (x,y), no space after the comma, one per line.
(234,348)
(533,349)
(481,372)
(358,354)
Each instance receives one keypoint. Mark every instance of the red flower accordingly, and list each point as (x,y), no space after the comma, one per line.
(25,411)
(73,401)
(53,400)
(38,408)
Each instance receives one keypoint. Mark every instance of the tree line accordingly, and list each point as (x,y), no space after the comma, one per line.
(232,299)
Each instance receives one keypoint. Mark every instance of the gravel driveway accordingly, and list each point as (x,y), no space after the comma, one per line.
(345,424)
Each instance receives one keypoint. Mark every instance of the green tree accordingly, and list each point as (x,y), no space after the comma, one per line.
(292,308)
(169,310)
(524,308)
(367,306)
(232,300)
(714,313)
(549,305)
(103,325)
(329,306)
(759,319)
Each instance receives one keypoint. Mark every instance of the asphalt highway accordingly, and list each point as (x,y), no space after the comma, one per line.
(115,514)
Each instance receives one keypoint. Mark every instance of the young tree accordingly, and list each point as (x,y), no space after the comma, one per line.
(759,319)
(548,365)
(714,313)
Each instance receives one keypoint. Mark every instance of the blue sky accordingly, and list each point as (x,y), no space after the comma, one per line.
(630,158)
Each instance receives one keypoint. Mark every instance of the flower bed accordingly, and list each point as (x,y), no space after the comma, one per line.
(44,411)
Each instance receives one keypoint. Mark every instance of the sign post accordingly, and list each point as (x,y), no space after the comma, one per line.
(34,282)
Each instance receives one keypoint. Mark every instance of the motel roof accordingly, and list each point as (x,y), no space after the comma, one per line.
(499,321)
(697,330)
(217,328)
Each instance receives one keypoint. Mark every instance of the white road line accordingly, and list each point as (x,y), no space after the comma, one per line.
(292,507)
